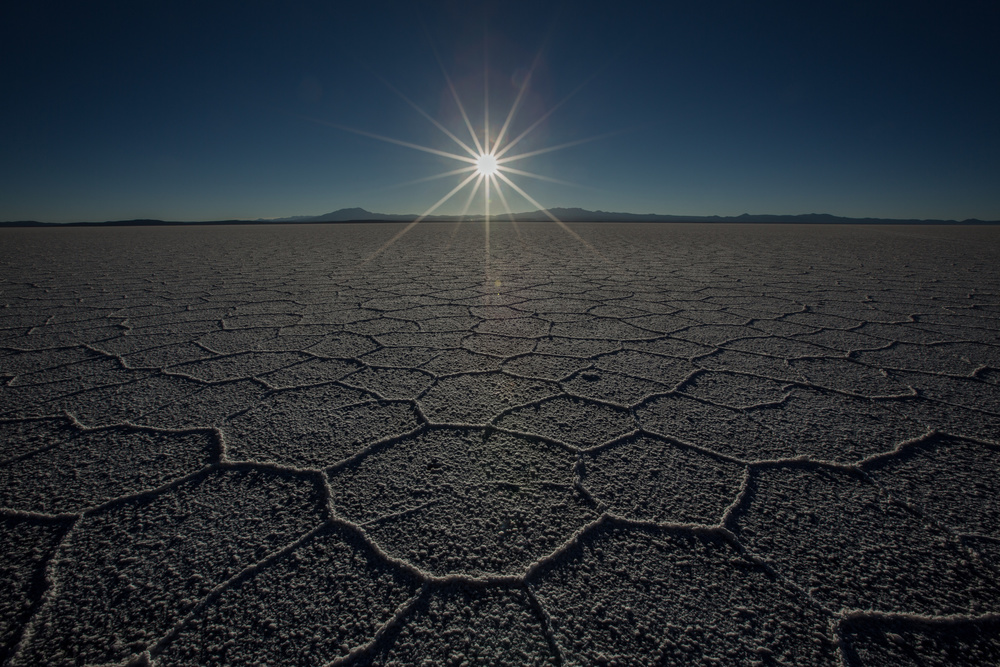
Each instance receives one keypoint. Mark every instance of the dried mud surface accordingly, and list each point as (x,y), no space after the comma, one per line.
(625,445)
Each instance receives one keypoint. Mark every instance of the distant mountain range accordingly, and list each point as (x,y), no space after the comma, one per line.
(564,214)
(583,215)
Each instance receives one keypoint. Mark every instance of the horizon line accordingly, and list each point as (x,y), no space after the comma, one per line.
(590,215)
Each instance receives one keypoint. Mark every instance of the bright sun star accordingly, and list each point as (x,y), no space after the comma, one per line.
(486,164)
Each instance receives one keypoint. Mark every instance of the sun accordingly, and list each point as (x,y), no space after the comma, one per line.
(486,164)
(487,157)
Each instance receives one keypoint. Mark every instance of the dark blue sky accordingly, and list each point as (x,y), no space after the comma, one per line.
(214,110)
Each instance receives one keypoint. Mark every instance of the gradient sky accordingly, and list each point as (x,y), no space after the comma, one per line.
(213,110)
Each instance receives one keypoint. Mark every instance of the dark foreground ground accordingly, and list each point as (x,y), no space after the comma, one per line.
(632,444)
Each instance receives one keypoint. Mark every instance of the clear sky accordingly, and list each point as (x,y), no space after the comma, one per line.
(215,110)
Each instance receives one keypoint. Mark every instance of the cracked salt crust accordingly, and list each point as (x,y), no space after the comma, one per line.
(742,444)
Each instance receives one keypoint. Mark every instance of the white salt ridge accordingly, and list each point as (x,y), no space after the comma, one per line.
(122,403)
(383,325)
(839,537)
(498,346)
(206,407)
(405,357)
(544,366)
(668,346)
(345,593)
(753,364)
(732,390)
(390,383)
(970,393)
(936,416)
(456,624)
(577,422)
(851,378)
(480,502)
(665,370)
(129,571)
(441,324)
(238,366)
(521,327)
(616,388)
(311,372)
(911,639)
(90,466)
(672,596)
(476,398)
(581,348)
(712,427)
(29,545)
(648,479)
(950,480)
(314,427)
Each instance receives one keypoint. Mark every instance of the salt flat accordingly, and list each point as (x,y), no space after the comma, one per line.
(628,444)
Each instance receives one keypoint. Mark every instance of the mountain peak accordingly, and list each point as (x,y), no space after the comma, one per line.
(355,213)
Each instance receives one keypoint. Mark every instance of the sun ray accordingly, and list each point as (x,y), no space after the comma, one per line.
(486,199)
(426,179)
(517,230)
(446,197)
(451,238)
(529,174)
(559,147)
(399,142)
(468,202)
(486,89)
(548,213)
(503,200)
(426,115)
(454,94)
(517,103)
(410,226)
(465,209)
(548,113)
